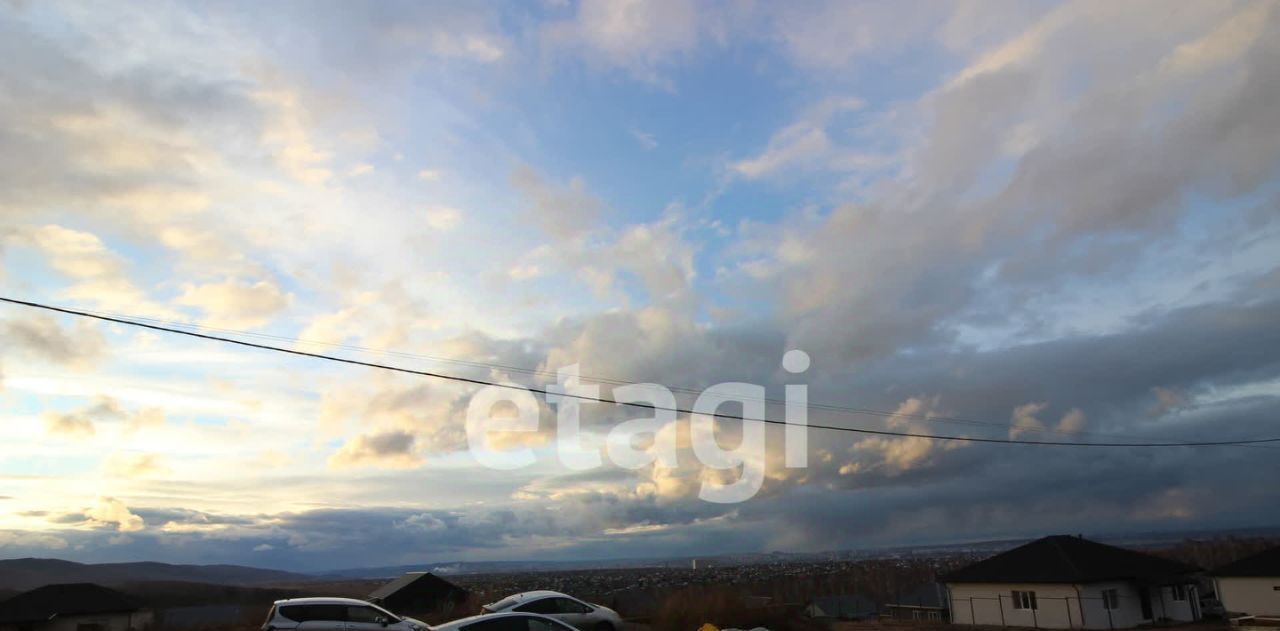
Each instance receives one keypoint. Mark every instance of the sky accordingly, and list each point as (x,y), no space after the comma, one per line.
(1013,220)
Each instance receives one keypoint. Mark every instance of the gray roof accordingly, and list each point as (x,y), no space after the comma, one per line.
(66,599)
(1068,559)
(416,579)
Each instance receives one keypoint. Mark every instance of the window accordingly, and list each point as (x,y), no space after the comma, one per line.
(306,613)
(543,624)
(1179,592)
(1024,600)
(365,614)
(517,623)
(569,605)
(1110,599)
(505,623)
(543,606)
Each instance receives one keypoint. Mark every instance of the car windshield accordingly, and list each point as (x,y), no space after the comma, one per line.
(390,616)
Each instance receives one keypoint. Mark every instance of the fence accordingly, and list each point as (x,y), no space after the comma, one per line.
(1118,611)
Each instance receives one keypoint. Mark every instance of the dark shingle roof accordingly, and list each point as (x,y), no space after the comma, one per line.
(1067,559)
(67,599)
(1265,563)
(421,581)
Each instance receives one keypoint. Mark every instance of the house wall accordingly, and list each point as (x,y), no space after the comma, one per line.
(1164,606)
(1251,595)
(1057,605)
(1064,606)
(1128,612)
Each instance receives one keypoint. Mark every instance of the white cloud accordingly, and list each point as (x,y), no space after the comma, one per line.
(109,510)
(134,465)
(645,139)
(806,143)
(638,36)
(443,218)
(236,304)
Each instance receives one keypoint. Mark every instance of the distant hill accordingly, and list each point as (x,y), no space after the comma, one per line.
(24,574)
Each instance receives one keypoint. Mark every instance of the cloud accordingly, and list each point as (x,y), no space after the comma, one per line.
(291,139)
(41,336)
(80,255)
(26,539)
(835,34)
(109,510)
(390,450)
(236,304)
(641,38)
(646,140)
(134,465)
(443,218)
(80,423)
(564,212)
(71,425)
(991,237)
(805,143)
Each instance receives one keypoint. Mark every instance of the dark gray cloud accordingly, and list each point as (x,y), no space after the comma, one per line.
(45,338)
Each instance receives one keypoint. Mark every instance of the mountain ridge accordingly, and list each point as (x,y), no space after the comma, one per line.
(32,572)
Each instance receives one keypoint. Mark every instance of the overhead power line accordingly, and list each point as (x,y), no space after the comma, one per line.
(826,407)
(676,409)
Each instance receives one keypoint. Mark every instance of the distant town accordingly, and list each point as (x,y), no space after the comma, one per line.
(921,585)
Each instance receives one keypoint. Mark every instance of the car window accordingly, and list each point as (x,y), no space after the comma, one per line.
(505,603)
(542,606)
(326,612)
(505,623)
(365,614)
(296,613)
(545,624)
(569,605)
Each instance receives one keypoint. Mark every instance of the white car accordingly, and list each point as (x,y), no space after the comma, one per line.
(505,622)
(567,609)
(335,614)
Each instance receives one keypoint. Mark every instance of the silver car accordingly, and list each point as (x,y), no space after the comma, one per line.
(505,622)
(335,614)
(563,607)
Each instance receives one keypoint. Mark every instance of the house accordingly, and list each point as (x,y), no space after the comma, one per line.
(418,593)
(73,607)
(1251,585)
(1066,582)
(926,602)
(847,607)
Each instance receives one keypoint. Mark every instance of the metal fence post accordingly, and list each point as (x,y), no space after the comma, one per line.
(1105,603)
(973,618)
(1000,601)
(1034,620)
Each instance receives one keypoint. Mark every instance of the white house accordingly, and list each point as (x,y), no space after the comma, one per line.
(1251,585)
(73,607)
(1066,582)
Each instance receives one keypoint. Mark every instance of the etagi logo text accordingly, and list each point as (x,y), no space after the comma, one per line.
(569,393)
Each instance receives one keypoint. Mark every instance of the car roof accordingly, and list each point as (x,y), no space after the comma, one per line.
(454,624)
(322,600)
(524,597)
